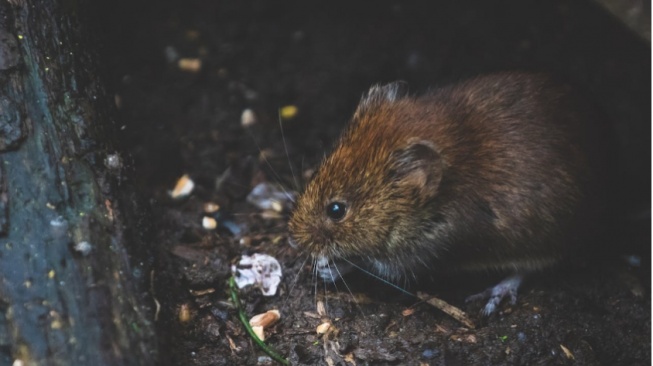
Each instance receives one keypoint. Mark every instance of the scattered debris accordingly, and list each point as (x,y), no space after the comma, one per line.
(288,112)
(310,314)
(465,338)
(113,161)
(83,247)
(207,291)
(323,328)
(248,118)
(232,345)
(258,330)
(261,270)
(268,196)
(408,312)
(265,319)
(184,313)
(235,229)
(211,207)
(209,223)
(109,208)
(58,221)
(183,187)
(567,352)
(321,309)
(189,64)
(451,310)
(171,54)
(245,241)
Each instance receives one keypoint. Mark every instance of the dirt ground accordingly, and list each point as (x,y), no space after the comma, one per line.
(320,57)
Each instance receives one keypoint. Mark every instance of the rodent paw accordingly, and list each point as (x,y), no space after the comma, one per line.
(505,289)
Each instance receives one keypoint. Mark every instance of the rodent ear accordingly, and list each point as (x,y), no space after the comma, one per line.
(384,93)
(419,166)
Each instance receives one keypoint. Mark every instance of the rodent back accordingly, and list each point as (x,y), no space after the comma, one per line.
(486,170)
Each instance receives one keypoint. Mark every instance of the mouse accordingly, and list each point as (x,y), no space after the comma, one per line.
(489,174)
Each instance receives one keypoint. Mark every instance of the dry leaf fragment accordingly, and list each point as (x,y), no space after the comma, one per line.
(567,352)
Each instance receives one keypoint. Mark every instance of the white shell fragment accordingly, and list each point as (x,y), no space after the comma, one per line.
(261,270)
(268,196)
(183,187)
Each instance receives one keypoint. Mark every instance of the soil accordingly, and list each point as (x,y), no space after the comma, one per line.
(320,57)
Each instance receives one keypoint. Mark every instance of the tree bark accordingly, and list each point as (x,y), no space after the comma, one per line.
(68,293)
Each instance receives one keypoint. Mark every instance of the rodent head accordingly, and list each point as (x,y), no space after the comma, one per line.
(368,197)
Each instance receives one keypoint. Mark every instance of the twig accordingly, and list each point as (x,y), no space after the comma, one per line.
(450,310)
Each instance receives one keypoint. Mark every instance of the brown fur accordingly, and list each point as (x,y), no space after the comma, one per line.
(489,173)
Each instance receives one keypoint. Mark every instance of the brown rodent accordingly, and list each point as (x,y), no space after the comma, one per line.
(491,173)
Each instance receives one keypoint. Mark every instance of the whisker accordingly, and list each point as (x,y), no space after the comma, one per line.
(326,300)
(379,278)
(332,279)
(315,279)
(285,147)
(301,267)
(348,289)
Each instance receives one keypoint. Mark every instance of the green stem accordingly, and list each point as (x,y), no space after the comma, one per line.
(243,319)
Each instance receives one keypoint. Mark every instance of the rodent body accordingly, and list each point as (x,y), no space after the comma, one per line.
(490,173)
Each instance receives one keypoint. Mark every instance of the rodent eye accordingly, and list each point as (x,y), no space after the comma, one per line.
(336,210)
